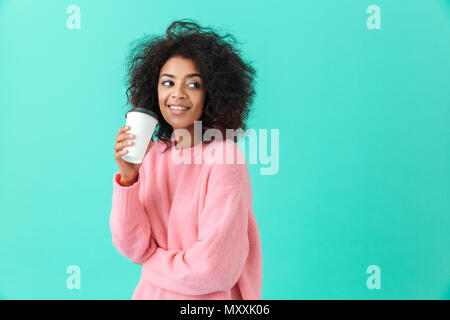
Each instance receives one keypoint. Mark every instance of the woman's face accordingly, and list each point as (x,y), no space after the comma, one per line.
(180,84)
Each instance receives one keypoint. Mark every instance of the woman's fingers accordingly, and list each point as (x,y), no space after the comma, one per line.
(120,153)
(124,136)
(122,139)
(123,129)
(119,146)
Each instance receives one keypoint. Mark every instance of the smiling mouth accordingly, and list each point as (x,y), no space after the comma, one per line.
(178,107)
(177,111)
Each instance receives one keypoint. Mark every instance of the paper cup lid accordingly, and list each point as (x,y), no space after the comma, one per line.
(143,110)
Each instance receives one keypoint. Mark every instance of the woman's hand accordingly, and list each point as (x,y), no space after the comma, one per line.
(129,172)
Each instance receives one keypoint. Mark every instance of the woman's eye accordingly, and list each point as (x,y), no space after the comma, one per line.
(163,83)
(194,83)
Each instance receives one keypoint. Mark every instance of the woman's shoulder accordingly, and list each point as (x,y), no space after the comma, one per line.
(228,169)
(225,152)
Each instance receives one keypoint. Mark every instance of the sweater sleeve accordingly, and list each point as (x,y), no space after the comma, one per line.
(130,226)
(216,261)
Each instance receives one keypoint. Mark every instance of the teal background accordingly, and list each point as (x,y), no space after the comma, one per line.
(363,117)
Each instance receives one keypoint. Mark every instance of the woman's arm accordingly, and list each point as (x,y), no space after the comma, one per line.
(130,226)
(216,261)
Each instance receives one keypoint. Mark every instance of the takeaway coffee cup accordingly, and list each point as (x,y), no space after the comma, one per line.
(142,124)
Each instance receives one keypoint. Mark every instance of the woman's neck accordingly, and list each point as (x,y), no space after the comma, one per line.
(184,143)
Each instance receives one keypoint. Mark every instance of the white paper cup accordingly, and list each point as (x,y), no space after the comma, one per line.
(142,124)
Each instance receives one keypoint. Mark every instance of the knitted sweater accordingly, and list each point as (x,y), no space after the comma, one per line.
(190,225)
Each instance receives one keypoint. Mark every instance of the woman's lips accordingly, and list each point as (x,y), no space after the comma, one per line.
(179,111)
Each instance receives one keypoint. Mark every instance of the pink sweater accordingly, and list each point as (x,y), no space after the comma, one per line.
(191,226)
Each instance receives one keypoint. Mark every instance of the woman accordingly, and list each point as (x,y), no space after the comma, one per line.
(191,226)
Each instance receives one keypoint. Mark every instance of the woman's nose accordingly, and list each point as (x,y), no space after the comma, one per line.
(178,92)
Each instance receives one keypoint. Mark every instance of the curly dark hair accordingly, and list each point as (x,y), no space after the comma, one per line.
(228,79)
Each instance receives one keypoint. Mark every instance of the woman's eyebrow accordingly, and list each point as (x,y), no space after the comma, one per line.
(188,76)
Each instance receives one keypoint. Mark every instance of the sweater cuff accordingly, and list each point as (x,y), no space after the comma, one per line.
(117,184)
(126,199)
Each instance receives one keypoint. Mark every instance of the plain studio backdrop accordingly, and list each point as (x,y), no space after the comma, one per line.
(358,91)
